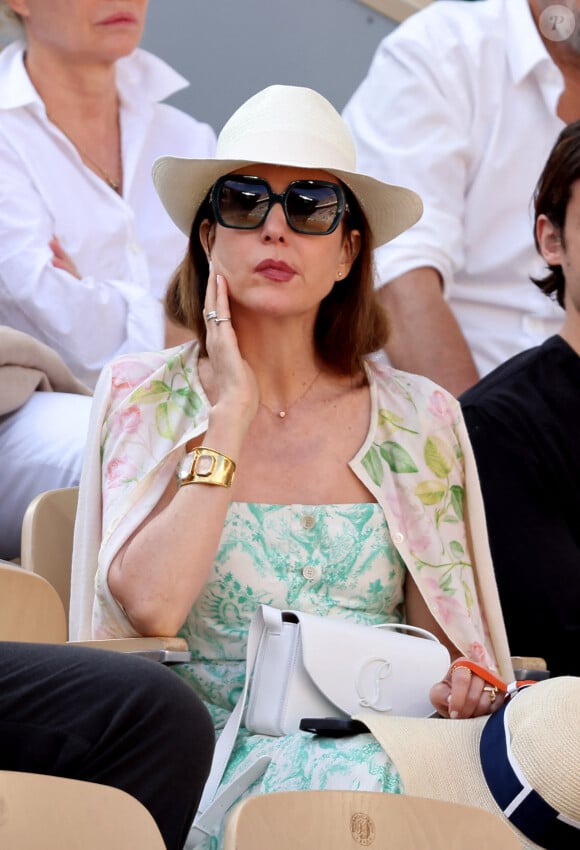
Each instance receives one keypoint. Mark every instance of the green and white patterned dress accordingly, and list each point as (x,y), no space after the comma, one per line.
(335,560)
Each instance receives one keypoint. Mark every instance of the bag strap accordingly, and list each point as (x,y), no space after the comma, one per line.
(414,630)
(205,822)
(211,808)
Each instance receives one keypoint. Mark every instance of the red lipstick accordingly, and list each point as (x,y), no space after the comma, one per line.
(275,270)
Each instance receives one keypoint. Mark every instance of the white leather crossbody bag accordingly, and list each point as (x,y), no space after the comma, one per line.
(311,666)
(303,665)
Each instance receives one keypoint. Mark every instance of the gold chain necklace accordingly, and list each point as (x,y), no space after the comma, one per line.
(111,181)
(282,414)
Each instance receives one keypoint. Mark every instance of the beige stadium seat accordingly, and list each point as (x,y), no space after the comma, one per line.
(46,554)
(47,538)
(49,813)
(349,820)
(30,608)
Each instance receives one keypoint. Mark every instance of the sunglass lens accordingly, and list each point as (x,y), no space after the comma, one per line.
(312,207)
(243,204)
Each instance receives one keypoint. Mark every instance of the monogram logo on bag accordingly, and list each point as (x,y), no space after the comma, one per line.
(362,829)
(370,683)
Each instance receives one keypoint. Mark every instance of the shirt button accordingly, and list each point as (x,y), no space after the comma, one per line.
(311,573)
(398,537)
(308,521)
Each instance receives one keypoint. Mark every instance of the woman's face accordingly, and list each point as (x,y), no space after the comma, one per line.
(273,270)
(89,30)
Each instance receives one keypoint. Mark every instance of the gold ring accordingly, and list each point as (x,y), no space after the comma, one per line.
(463,667)
(492,691)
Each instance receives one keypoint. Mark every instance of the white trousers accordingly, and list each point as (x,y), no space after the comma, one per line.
(41,448)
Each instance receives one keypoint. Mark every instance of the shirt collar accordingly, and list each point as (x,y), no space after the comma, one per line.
(526,48)
(141,78)
(15,86)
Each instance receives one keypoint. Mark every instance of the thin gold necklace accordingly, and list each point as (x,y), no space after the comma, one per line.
(282,414)
(111,181)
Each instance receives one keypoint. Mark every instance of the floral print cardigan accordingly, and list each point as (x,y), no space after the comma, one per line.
(416,461)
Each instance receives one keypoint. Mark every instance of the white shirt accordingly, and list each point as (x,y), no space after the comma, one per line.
(460,105)
(125,247)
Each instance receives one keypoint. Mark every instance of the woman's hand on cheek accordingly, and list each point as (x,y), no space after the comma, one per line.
(461,694)
(235,383)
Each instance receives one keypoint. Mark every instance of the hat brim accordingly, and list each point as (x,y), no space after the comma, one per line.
(182,184)
(439,759)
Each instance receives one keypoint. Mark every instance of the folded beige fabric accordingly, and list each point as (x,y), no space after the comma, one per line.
(28,366)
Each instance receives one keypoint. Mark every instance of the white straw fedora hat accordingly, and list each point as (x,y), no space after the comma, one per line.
(522,761)
(292,126)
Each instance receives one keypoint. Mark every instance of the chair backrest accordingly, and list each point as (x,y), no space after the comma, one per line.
(47,538)
(30,608)
(345,820)
(66,814)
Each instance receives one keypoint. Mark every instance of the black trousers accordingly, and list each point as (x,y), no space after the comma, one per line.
(110,718)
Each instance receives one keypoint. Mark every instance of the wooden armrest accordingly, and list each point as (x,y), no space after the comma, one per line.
(30,608)
(529,667)
(168,650)
(175,644)
(529,662)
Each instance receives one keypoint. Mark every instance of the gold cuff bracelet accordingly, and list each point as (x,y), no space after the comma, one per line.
(205,466)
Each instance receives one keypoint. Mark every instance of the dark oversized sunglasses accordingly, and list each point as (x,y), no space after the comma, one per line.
(314,207)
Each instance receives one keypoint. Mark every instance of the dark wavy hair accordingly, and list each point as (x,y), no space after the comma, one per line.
(551,198)
(350,323)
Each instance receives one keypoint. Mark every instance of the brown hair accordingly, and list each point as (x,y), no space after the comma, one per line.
(551,197)
(350,322)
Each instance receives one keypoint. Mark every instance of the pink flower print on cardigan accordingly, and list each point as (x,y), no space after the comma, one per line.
(412,521)
(126,374)
(120,471)
(440,407)
(449,608)
(127,421)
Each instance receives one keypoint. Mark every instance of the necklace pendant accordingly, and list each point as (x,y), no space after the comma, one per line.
(282,414)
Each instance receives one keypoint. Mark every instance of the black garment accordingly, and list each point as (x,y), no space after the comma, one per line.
(105,717)
(524,424)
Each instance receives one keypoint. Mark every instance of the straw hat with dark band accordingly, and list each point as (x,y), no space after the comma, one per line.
(291,126)
(522,762)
